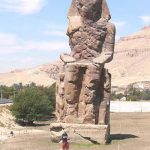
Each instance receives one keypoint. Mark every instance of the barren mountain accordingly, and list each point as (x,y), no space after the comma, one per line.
(131,61)
(39,75)
(131,64)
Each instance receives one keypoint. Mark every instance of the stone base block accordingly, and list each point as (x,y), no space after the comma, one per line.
(80,133)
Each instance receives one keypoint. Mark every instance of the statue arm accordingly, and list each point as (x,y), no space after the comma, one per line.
(108,46)
(75,23)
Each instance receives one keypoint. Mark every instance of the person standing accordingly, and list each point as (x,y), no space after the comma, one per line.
(65,144)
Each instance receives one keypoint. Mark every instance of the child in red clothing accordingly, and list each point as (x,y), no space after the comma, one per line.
(65,144)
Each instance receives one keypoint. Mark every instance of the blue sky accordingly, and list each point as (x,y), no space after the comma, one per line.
(32,32)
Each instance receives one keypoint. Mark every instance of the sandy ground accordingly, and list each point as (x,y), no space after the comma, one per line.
(129,131)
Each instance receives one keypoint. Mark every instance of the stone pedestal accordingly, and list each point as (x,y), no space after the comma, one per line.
(80,133)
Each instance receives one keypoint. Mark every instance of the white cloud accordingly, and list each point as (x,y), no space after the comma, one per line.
(22,6)
(145,19)
(17,62)
(10,44)
(7,39)
(54,29)
(19,53)
(55,33)
(45,45)
(119,24)
(16,59)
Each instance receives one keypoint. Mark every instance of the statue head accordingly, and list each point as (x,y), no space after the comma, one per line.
(90,9)
(83,12)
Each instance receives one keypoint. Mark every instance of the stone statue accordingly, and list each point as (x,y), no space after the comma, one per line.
(83,88)
(84,85)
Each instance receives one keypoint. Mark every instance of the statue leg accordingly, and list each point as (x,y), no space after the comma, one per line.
(60,95)
(89,94)
(104,108)
(71,90)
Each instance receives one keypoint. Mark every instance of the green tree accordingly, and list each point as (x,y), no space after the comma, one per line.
(50,92)
(115,96)
(7,92)
(31,104)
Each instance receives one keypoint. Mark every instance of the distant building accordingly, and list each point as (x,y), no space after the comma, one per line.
(6,101)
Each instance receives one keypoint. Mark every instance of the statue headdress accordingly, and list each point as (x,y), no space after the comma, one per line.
(105,13)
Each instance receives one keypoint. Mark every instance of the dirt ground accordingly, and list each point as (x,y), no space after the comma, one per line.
(129,131)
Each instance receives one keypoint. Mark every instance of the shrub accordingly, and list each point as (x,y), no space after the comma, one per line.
(115,96)
(31,104)
(132,94)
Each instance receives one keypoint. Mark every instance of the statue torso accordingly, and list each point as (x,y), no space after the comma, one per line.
(87,41)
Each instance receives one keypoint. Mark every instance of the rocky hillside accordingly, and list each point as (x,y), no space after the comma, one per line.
(131,61)
(130,64)
(41,75)
(6,118)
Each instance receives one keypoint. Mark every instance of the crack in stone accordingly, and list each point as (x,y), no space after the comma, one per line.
(87,138)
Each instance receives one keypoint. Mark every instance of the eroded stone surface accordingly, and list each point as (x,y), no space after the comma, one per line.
(80,133)
(83,87)
(83,94)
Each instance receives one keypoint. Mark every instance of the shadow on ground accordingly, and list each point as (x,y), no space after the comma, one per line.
(122,136)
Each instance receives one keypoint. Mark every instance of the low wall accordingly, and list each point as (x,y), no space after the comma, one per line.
(118,106)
